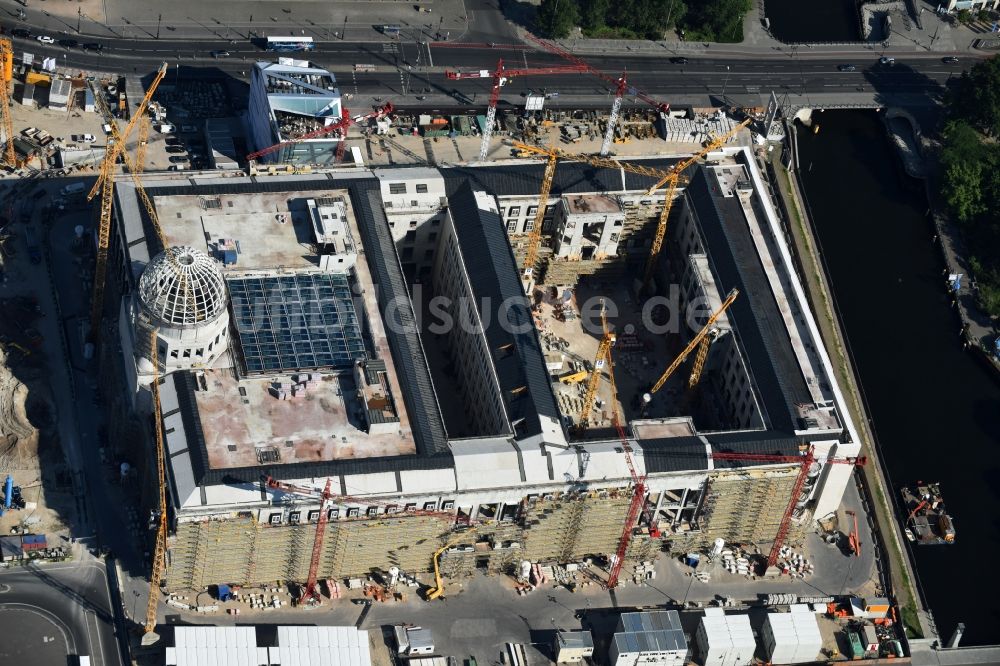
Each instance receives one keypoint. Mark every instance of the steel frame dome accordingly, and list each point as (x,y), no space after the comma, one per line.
(183,287)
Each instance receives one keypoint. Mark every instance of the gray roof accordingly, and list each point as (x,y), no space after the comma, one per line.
(674,454)
(495,280)
(402,334)
(574,640)
(570,177)
(758,322)
(657,631)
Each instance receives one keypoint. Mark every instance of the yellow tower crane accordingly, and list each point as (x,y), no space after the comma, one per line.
(105,183)
(672,181)
(665,177)
(140,148)
(695,341)
(601,359)
(6,74)
(699,361)
(535,234)
(159,552)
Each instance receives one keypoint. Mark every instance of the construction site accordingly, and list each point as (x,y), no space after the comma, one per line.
(547,356)
(315,428)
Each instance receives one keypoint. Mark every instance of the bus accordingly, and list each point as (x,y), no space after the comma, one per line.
(282,44)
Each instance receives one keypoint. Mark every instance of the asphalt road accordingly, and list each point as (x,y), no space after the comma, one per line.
(412,67)
(56,611)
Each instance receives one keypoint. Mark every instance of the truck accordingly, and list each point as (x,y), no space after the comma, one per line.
(34,248)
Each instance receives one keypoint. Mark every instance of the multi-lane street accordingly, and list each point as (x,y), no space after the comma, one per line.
(419,68)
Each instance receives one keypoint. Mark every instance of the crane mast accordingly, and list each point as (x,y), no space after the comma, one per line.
(160,549)
(638,485)
(804,462)
(601,359)
(616,107)
(535,235)
(6,62)
(500,77)
(105,183)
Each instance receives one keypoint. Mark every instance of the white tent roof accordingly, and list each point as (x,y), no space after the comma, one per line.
(215,646)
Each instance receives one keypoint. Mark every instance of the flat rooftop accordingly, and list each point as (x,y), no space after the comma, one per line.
(296,330)
(245,424)
(272,230)
(592,203)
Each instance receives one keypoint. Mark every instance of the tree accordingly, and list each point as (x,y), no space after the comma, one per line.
(716,20)
(976,96)
(963,190)
(557,18)
(594,13)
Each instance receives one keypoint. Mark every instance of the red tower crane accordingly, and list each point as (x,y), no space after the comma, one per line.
(340,126)
(500,76)
(805,461)
(555,49)
(326,496)
(638,483)
(620,84)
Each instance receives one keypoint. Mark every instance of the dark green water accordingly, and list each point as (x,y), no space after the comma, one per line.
(935,408)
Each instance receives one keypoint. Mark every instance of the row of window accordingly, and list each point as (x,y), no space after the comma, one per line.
(516,210)
(400,188)
(295,517)
(187,353)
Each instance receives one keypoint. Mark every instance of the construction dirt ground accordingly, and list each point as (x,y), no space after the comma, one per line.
(29,445)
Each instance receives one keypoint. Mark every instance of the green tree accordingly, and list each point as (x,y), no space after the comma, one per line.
(976,96)
(594,13)
(716,20)
(557,18)
(963,190)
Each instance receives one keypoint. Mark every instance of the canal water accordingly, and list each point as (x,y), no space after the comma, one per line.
(797,22)
(935,408)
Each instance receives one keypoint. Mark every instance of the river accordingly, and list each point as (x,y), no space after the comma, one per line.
(935,408)
(797,22)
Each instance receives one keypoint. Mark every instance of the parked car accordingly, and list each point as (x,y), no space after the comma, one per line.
(173,141)
(20,32)
(177,159)
(846,68)
(176,150)
(45,39)
(165,128)
(189,129)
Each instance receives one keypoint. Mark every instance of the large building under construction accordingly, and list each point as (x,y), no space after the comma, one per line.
(368,331)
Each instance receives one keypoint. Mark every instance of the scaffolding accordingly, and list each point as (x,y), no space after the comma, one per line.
(746,506)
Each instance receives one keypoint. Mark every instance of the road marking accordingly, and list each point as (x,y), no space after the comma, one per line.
(68,637)
(100,641)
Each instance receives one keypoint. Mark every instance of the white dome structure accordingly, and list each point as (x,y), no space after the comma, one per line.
(182,287)
(182,296)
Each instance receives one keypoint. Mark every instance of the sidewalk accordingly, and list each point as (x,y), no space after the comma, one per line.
(936,36)
(182,20)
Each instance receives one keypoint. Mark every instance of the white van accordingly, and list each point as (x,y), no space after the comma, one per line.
(71,189)
(165,128)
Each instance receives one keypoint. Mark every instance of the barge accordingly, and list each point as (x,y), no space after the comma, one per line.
(926,520)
